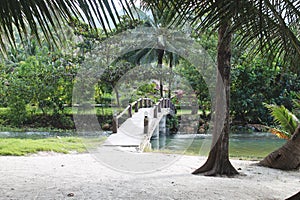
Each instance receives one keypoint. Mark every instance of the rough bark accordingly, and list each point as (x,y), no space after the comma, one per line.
(160,55)
(218,160)
(117,97)
(170,79)
(287,157)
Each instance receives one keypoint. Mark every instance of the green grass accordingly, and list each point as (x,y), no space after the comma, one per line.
(188,111)
(34,129)
(68,110)
(21,147)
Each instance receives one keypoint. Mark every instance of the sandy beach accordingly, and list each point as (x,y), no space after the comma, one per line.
(82,176)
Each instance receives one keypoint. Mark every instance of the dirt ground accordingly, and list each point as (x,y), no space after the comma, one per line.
(82,176)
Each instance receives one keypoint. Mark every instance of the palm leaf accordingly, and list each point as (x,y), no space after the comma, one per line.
(287,120)
(28,17)
(280,133)
(297,102)
(267,26)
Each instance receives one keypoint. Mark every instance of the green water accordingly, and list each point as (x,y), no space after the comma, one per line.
(246,145)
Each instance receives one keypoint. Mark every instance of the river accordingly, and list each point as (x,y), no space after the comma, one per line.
(242,145)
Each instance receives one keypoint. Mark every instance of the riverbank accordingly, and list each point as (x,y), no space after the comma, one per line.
(80,176)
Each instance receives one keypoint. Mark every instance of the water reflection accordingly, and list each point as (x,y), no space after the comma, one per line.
(240,145)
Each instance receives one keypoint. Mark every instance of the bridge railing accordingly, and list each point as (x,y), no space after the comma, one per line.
(162,103)
(127,112)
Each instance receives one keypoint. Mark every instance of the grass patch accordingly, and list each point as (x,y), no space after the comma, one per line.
(21,147)
(188,112)
(33,129)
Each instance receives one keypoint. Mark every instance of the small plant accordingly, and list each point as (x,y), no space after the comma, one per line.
(286,119)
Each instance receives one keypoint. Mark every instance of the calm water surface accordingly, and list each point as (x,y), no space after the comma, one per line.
(246,145)
(243,145)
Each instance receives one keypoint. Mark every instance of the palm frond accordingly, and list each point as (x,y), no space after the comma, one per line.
(280,133)
(27,17)
(271,27)
(297,102)
(287,120)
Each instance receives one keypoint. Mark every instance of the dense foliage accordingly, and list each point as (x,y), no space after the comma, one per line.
(37,80)
(255,82)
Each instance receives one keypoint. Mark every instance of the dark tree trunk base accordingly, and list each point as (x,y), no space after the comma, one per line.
(217,164)
(294,197)
(211,168)
(287,157)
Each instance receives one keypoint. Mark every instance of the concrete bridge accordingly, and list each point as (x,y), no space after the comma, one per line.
(139,122)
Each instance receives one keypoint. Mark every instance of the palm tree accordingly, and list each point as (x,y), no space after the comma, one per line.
(288,156)
(270,24)
(27,17)
(273,25)
(162,15)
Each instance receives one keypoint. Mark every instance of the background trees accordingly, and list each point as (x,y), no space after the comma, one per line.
(270,26)
(40,78)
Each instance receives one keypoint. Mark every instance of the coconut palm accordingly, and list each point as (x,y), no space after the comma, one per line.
(269,24)
(273,25)
(286,157)
(162,14)
(27,17)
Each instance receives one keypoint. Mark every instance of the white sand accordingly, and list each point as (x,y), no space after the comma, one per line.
(80,176)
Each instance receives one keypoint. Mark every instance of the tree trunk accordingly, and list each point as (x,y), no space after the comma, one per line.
(117,97)
(170,79)
(294,197)
(218,160)
(287,157)
(160,55)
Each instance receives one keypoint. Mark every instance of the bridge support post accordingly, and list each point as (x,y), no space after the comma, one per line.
(136,107)
(130,111)
(159,107)
(155,111)
(162,124)
(141,103)
(145,103)
(115,124)
(146,123)
(156,133)
(156,137)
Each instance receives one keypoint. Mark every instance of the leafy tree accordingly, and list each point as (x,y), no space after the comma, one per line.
(113,73)
(40,78)
(255,82)
(197,83)
(272,23)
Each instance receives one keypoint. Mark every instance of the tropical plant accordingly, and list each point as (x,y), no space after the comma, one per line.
(272,24)
(37,78)
(253,81)
(261,21)
(288,156)
(27,17)
(286,119)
